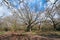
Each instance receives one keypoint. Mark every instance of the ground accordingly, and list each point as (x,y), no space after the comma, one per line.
(31,35)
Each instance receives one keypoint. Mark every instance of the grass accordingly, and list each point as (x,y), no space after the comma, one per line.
(44,33)
(49,33)
(2,32)
(40,33)
(31,33)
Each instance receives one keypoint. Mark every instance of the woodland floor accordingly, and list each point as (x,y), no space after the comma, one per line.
(26,36)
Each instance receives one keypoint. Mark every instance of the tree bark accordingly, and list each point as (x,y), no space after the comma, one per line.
(28,28)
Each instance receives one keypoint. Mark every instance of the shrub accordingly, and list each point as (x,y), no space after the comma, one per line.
(6,28)
(58,28)
(46,28)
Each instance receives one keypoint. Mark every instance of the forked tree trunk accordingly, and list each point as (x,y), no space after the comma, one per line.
(28,28)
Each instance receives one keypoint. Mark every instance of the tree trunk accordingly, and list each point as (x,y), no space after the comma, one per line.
(54,26)
(28,28)
(39,27)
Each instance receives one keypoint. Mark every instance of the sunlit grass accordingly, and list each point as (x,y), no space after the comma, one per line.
(2,32)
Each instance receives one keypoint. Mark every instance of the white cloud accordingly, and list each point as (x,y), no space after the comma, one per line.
(3,9)
(52,1)
(0,0)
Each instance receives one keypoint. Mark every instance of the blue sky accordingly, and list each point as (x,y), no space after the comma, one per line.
(31,3)
(36,5)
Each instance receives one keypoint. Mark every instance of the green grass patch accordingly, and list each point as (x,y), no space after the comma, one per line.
(3,32)
(49,33)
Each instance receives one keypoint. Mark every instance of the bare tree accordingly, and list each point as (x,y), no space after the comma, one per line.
(26,16)
(51,13)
